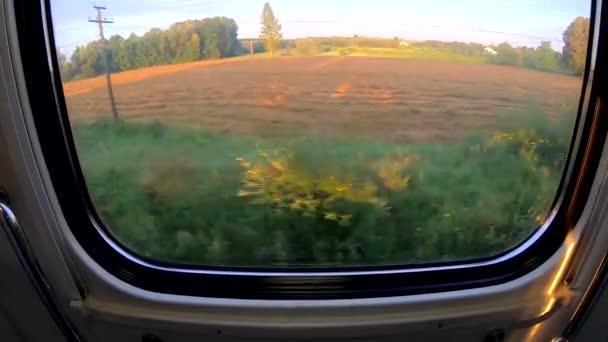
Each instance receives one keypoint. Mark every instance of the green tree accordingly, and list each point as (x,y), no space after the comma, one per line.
(547,59)
(229,44)
(211,46)
(209,29)
(73,67)
(150,48)
(92,57)
(185,41)
(181,40)
(116,44)
(307,46)
(575,38)
(506,54)
(68,68)
(125,56)
(529,57)
(165,48)
(190,52)
(271,29)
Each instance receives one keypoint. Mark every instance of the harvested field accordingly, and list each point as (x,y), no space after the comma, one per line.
(381,98)
(326,161)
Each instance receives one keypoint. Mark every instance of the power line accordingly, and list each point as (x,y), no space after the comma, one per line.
(487,31)
(320,22)
(429,26)
(521,8)
(197,4)
(67,29)
(72,44)
(100,21)
(343,22)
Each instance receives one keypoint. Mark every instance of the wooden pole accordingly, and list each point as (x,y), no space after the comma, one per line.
(106,57)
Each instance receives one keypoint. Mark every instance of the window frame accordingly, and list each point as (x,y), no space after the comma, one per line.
(37,48)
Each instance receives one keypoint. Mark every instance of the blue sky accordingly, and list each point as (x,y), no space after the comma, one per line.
(520,22)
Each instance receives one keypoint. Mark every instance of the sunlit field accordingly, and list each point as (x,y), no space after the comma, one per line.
(324,161)
(396,100)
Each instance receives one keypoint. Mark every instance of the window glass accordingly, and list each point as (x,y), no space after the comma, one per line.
(321,133)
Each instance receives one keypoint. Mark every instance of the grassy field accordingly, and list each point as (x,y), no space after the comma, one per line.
(325,161)
(421,53)
(380,98)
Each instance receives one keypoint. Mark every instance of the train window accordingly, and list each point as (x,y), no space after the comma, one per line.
(263,150)
(321,134)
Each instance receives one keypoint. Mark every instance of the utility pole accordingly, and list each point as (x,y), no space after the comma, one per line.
(100,21)
(251,47)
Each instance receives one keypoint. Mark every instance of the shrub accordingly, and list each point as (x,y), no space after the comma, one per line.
(277,181)
(322,202)
(307,47)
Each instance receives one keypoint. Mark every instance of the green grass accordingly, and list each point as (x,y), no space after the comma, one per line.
(410,53)
(177,194)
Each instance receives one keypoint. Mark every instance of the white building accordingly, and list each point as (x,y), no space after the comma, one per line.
(490,51)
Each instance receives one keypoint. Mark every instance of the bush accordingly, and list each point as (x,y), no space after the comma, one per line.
(542,58)
(307,47)
(231,200)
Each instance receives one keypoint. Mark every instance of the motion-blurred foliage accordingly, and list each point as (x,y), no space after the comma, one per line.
(197,197)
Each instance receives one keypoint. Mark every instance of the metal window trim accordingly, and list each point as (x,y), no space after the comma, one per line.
(281,280)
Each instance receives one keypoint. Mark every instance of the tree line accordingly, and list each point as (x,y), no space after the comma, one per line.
(186,41)
(217,37)
(544,57)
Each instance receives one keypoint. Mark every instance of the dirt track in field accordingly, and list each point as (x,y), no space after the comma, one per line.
(390,99)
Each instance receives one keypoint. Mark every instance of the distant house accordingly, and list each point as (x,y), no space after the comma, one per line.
(403,43)
(490,51)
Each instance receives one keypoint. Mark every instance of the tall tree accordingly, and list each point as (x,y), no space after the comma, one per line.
(271,29)
(575,44)
(547,58)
